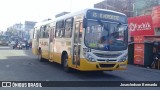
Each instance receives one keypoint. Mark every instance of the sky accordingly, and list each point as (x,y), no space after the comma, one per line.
(17,11)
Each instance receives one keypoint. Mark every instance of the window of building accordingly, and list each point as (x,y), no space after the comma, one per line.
(157,31)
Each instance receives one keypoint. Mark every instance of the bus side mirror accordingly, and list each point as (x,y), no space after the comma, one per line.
(84,23)
(119,25)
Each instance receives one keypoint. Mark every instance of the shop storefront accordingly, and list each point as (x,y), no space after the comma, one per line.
(145,31)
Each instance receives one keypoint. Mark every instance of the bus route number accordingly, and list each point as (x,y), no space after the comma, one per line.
(86,49)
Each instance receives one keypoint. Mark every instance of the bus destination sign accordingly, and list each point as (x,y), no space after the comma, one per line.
(105,15)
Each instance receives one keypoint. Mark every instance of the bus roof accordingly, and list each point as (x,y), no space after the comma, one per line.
(73,14)
(83,12)
(107,10)
(43,23)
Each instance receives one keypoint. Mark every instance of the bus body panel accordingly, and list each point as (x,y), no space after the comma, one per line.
(34,47)
(95,66)
(44,45)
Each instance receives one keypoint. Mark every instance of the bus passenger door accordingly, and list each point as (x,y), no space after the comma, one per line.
(51,43)
(76,45)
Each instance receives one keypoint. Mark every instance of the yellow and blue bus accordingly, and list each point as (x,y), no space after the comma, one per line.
(88,40)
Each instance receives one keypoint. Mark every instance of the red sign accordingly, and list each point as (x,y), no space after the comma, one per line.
(139,54)
(138,39)
(156,16)
(141,25)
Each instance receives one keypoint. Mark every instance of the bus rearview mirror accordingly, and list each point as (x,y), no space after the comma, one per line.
(84,23)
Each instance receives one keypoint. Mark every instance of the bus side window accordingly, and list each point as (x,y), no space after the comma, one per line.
(44,31)
(68,27)
(41,32)
(38,33)
(51,34)
(47,32)
(81,30)
(59,29)
(34,33)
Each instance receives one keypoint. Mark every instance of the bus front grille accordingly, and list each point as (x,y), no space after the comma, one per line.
(106,60)
(107,55)
(107,65)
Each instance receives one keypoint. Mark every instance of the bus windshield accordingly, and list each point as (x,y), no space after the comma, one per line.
(106,36)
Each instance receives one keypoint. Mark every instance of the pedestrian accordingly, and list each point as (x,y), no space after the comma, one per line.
(30,44)
(26,43)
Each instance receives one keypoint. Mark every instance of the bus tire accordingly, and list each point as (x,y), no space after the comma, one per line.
(40,58)
(65,63)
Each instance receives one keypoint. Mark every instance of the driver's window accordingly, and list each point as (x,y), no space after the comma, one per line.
(113,28)
(116,33)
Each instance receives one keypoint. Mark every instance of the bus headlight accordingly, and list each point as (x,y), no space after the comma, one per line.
(124,58)
(90,58)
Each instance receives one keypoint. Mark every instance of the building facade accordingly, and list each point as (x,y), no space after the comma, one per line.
(28,25)
(143,7)
(20,31)
(123,6)
(129,7)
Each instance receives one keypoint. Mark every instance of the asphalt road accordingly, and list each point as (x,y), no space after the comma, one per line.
(22,65)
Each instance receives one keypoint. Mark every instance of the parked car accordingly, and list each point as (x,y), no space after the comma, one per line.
(12,43)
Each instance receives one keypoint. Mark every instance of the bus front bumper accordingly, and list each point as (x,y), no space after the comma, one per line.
(99,66)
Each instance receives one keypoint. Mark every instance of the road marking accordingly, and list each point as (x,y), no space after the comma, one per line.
(4,47)
(5,54)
